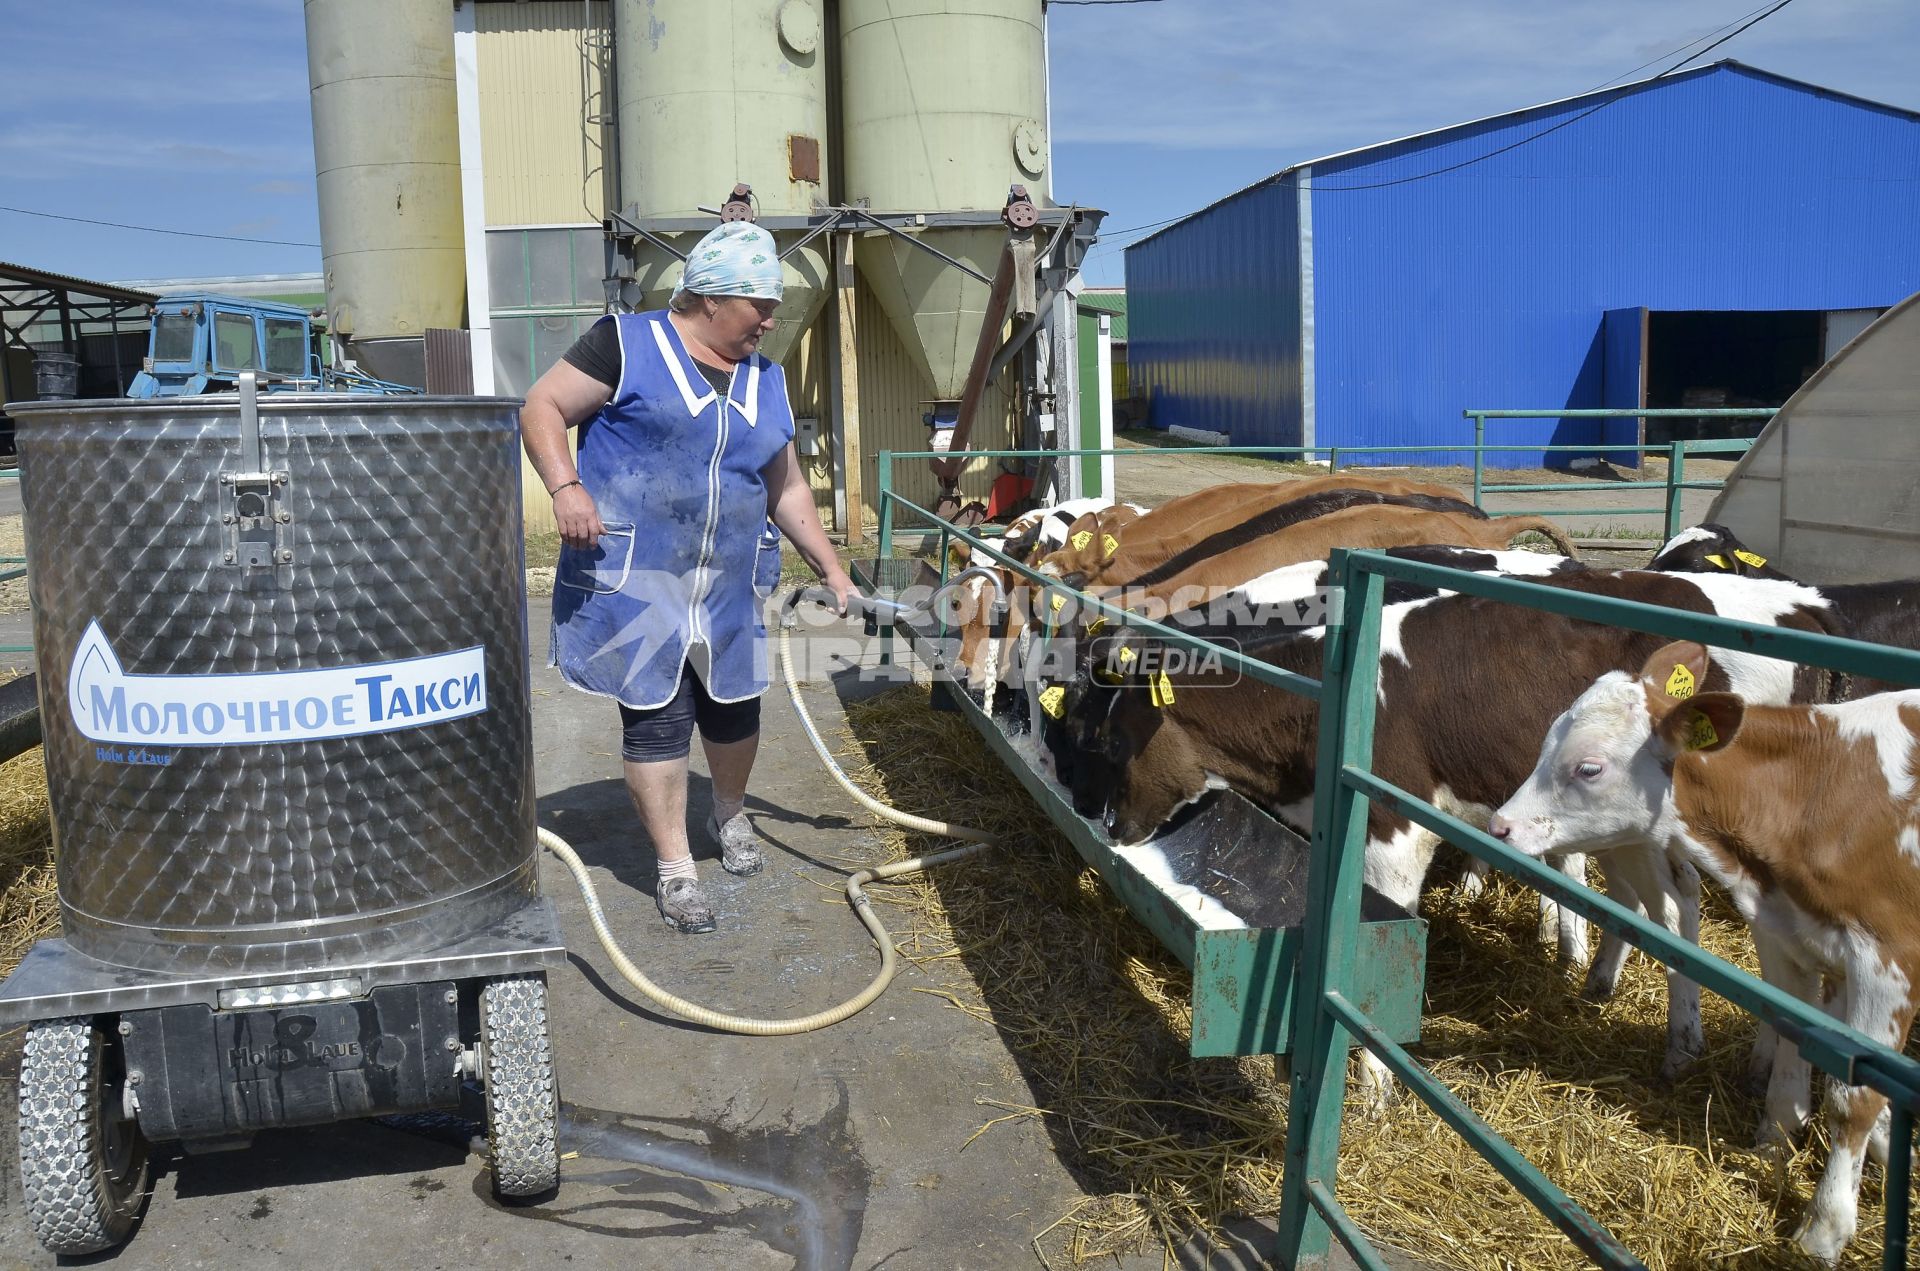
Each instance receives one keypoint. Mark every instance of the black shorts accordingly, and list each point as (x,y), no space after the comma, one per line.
(666,732)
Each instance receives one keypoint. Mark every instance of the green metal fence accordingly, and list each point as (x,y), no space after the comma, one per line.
(1676,452)
(1311,1216)
(1674,484)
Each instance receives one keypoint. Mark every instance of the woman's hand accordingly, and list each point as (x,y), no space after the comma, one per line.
(841,586)
(578,517)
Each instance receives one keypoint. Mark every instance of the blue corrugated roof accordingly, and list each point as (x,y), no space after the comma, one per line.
(1511,116)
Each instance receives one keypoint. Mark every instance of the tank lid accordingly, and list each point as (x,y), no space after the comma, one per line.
(305,403)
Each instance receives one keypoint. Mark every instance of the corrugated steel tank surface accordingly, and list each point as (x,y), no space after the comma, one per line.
(238,783)
(717,91)
(943,104)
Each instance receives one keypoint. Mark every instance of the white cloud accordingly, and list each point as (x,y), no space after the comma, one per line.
(52,150)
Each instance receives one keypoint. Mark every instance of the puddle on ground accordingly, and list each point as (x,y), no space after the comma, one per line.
(800,1190)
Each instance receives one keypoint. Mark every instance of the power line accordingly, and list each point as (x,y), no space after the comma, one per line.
(1742,23)
(1564,123)
(153,229)
(1672,51)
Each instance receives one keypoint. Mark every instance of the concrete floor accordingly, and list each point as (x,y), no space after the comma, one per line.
(837,1149)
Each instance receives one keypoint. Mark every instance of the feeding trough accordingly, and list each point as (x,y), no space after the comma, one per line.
(1224,888)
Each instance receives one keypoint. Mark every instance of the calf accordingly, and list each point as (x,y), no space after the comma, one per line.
(1880,613)
(1807,815)
(1304,529)
(1185,523)
(1465,683)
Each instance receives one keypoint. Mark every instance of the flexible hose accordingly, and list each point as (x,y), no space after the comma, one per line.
(980,840)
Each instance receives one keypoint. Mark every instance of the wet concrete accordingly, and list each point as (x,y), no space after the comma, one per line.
(846,1148)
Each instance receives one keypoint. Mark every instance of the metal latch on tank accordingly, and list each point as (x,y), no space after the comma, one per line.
(255,516)
(252,508)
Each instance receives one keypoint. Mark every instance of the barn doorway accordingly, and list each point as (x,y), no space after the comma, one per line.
(1715,359)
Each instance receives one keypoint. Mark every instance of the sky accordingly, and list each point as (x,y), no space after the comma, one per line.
(126,110)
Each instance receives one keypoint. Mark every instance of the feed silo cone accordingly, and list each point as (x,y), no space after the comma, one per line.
(386,158)
(714,92)
(284,681)
(942,103)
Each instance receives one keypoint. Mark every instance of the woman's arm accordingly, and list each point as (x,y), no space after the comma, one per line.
(790,506)
(561,399)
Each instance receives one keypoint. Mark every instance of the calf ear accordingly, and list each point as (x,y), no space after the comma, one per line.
(1706,721)
(1675,671)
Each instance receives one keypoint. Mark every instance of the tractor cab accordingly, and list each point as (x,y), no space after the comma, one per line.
(202,341)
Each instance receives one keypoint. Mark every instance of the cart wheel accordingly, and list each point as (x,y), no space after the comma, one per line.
(517,1072)
(83,1161)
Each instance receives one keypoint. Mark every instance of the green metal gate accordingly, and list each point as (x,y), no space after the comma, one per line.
(1311,1217)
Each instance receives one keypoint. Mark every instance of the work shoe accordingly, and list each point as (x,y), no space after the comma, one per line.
(739,845)
(684,905)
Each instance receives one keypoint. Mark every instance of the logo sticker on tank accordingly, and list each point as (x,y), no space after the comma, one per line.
(109,705)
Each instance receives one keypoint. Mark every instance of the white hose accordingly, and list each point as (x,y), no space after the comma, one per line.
(980,840)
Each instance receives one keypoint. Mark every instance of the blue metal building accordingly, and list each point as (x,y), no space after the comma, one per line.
(1709,237)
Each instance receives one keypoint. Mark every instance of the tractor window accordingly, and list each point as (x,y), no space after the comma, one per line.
(286,346)
(234,343)
(173,336)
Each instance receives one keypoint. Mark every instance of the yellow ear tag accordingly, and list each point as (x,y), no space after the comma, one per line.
(1124,656)
(1094,627)
(1718,561)
(1109,544)
(1700,734)
(1160,689)
(1081,540)
(1054,701)
(1680,683)
(1752,558)
(1057,603)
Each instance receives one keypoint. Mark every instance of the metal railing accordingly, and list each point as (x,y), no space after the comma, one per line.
(1677,452)
(1675,483)
(1311,1216)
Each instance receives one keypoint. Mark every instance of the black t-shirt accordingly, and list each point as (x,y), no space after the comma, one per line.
(597,353)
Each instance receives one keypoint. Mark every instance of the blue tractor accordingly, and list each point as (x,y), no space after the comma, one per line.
(202,340)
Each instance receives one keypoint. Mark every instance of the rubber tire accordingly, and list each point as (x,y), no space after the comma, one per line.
(523,1107)
(83,1168)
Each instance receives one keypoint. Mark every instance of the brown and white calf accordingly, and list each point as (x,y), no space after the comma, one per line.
(1465,685)
(1807,815)
(1187,522)
(1290,533)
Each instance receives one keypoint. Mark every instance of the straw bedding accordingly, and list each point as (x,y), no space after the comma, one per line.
(1094,1012)
(29,905)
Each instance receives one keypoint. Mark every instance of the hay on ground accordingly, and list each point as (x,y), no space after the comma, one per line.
(29,903)
(1095,1013)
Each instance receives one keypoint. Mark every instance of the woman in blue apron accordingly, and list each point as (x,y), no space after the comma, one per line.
(670,530)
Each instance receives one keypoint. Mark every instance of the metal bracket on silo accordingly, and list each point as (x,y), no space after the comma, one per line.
(253,501)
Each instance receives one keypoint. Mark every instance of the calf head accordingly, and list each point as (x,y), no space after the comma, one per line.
(1606,768)
(1151,764)
(1711,549)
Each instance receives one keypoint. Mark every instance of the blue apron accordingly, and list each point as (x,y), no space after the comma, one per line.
(688,551)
